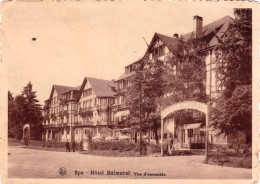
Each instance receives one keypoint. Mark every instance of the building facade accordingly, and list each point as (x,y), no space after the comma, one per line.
(97,107)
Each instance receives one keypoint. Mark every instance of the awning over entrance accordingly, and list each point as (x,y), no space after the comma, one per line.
(192,126)
(122,113)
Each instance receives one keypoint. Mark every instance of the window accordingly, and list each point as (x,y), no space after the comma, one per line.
(87,92)
(190,132)
(202,133)
(76,131)
(158,51)
(103,116)
(103,101)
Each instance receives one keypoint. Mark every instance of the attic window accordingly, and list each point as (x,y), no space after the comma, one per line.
(158,51)
(87,92)
(113,89)
(128,69)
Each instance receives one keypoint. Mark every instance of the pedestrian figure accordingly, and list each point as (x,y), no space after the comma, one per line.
(81,145)
(67,146)
(73,146)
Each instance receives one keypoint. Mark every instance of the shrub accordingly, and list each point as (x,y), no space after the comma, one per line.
(114,145)
(197,145)
(153,148)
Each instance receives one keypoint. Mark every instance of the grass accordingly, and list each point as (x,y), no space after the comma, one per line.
(232,155)
(39,145)
(14,142)
(224,159)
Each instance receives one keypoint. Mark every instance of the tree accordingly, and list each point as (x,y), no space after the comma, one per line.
(33,114)
(16,117)
(231,113)
(185,74)
(23,109)
(144,95)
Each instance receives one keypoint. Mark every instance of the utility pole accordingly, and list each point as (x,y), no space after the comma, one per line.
(140,118)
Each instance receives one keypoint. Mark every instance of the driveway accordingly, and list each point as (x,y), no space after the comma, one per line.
(30,163)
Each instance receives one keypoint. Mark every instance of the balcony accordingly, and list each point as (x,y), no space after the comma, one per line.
(102,107)
(64,124)
(102,123)
(84,123)
(54,116)
(64,113)
(51,125)
(85,110)
(120,107)
(121,90)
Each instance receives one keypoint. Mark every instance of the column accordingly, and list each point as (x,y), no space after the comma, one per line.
(161,136)
(51,134)
(186,137)
(46,135)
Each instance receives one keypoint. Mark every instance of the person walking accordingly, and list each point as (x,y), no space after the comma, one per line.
(67,146)
(73,146)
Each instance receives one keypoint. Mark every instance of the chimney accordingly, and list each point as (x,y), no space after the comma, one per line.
(175,35)
(197,29)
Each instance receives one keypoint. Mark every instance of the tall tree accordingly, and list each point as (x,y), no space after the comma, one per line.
(16,119)
(33,114)
(23,109)
(185,74)
(143,97)
(232,112)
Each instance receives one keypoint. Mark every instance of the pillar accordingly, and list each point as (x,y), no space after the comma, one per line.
(186,137)
(51,134)
(47,135)
(161,136)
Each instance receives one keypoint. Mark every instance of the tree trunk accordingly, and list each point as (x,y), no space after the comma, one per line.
(135,137)
(156,136)
(248,138)
(149,135)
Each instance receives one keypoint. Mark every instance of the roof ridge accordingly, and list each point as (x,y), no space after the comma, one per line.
(227,16)
(99,79)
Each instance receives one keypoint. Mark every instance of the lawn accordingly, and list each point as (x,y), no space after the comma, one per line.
(233,155)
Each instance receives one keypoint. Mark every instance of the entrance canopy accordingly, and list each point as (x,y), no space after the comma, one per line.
(192,126)
(184,105)
(202,107)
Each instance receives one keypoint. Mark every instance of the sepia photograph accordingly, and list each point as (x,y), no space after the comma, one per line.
(122,90)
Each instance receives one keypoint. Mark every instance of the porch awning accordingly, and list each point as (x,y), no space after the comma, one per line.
(192,126)
(122,113)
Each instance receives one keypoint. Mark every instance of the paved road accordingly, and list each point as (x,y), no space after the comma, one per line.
(29,163)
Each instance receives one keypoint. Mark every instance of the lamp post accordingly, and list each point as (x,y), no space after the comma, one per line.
(207,118)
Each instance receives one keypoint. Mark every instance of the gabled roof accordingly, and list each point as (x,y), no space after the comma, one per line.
(168,41)
(124,75)
(100,87)
(77,88)
(60,90)
(218,27)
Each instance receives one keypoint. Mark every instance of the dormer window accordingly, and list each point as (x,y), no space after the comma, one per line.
(113,89)
(128,69)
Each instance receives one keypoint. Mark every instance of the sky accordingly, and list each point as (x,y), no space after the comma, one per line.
(94,39)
